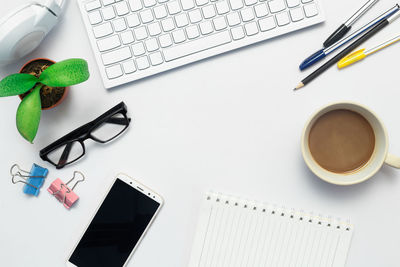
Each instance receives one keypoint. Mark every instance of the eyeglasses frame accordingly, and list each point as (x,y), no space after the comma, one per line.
(83,133)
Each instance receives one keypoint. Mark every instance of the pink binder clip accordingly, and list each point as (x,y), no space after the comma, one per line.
(63,193)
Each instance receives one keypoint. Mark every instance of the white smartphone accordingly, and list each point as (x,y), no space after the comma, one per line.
(118,225)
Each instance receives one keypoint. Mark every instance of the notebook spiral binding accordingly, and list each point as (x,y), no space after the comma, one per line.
(273,209)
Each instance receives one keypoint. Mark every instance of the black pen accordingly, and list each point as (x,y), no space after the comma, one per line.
(345,28)
(349,49)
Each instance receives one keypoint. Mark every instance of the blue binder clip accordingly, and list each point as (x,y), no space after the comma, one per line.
(33,180)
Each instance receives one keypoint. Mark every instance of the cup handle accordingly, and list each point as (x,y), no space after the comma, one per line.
(393,161)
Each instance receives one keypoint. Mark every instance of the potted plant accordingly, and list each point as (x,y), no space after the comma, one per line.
(41,84)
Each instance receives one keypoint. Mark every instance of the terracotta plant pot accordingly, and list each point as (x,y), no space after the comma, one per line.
(50,96)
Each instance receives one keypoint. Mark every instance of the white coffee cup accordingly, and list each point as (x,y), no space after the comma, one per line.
(379,157)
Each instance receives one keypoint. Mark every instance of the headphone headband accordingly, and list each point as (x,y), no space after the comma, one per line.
(53,6)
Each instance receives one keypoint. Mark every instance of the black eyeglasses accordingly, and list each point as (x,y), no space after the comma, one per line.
(71,147)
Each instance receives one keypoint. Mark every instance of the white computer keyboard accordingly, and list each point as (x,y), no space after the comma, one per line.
(133,39)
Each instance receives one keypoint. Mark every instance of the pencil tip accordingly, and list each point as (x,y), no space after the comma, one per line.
(300,85)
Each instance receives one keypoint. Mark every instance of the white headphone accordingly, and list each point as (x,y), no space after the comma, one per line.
(22,30)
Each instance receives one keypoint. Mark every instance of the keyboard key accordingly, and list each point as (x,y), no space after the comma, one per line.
(127,37)
(108,43)
(133,20)
(206,27)
(129,66)
(237,33)
(178,36)
(168,24)
(95,17)
(233,19)
(173,7)
(93,5)
(192,32)
(208,11)
(197,45)
(108,2)
(142,63)
(138,49)
(108,13)
(282,19)
(103,30)
(236,4)
(114,72)
(219,23)
(296,14)
(140,33)
(195,16)
(181,20)
(222,7)
(160,12)
(276,5)
(267,24)
(154,28)
(146,16)
(251,28)
(261,10)
(116,56)
(151,44)
(187,4)
(293,3)
(135,5)
(310,10)
(247,14)
(149,3)
(250,2)
(122,8)
(119,25)
(156,59)
(165,40)
(201,2)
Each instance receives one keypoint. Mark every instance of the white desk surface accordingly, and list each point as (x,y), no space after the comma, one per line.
(231,124)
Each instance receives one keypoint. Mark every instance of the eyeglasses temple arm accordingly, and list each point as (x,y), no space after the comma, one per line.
(65,154)
(118,121)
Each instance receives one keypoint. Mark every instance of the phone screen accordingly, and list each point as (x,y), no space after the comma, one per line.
(116,228)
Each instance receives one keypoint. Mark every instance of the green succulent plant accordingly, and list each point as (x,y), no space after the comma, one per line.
(61,74)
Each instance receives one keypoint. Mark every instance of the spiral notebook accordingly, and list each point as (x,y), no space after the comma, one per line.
(234,232)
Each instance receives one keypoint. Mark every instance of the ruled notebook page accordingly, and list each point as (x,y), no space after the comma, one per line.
(233,232)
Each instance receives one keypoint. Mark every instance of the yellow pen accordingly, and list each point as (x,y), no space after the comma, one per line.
(361,54)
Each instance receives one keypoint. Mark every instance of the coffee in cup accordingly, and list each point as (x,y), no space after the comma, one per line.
(346,143)
(341,141)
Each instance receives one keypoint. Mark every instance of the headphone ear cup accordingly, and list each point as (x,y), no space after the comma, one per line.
(22,32)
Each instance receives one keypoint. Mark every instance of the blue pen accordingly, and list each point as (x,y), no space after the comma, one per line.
(324,52)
